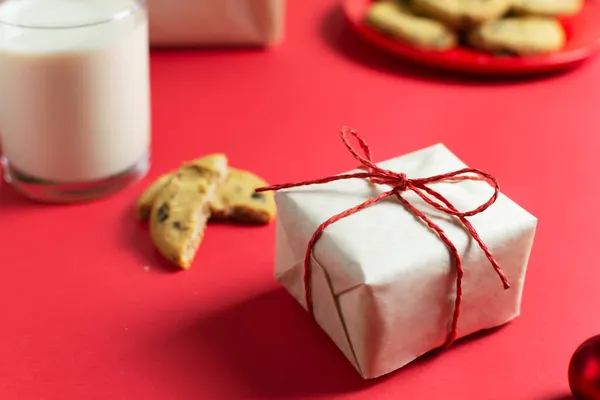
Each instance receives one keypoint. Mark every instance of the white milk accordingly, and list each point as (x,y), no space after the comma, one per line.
(74,103)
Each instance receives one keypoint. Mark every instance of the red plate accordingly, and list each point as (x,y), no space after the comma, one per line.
(583,41)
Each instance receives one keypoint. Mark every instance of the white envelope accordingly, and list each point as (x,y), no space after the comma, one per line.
(216,22)
(383,284)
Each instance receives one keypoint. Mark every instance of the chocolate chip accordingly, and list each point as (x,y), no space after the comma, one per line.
(163,213)
(258,196)
(179,226)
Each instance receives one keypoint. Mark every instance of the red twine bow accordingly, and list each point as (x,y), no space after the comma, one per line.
(401,183)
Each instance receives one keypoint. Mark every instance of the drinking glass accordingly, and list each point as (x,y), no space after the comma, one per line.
(74,97)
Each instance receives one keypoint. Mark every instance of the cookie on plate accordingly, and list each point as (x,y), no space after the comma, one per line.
(396,20)
(237,202)
(181,209)
(519,36)
(547,8)
(460,14)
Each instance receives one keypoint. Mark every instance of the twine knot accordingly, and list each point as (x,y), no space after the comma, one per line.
(401,182)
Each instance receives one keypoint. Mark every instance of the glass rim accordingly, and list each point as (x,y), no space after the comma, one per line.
(136,6)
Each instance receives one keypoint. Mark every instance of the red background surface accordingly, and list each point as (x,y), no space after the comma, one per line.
(82,319)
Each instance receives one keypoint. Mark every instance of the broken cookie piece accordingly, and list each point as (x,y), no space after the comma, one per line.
(148,197)
(234,201)
(180,209)
(146,200)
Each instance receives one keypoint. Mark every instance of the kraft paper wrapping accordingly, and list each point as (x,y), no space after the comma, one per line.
(216,22)
(383,284)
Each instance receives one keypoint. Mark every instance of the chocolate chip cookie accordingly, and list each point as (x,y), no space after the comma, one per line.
(234,201)
(397,20)
(461,14)
(181,209)
(521,36)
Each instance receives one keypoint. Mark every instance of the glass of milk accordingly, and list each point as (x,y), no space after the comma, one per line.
(74,96)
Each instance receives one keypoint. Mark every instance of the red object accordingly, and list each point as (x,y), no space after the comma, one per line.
(401,183)
(82,319)
(583,41)
(584,370)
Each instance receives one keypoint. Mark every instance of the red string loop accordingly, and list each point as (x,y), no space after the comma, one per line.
(401,183)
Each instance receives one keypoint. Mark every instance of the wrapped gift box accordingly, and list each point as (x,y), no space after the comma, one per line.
(216,22)
(382,283)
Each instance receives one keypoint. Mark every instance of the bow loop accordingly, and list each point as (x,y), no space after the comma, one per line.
(436,200)
(381,176)
(366,161)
